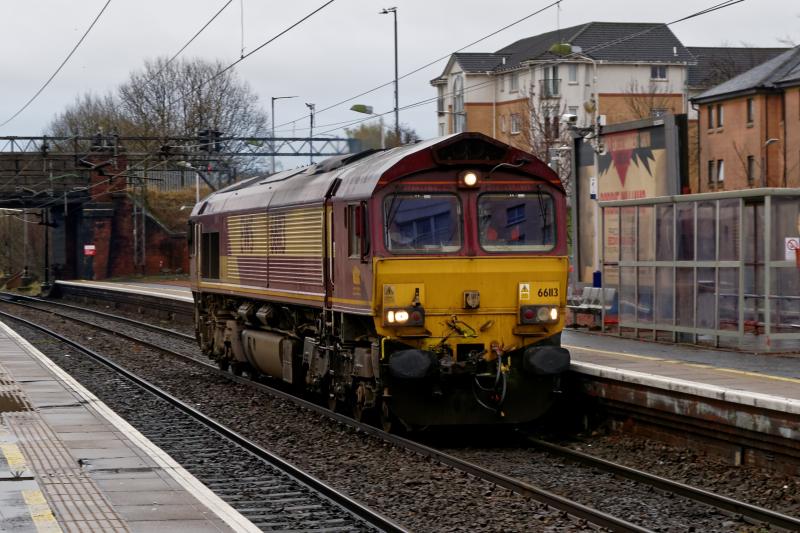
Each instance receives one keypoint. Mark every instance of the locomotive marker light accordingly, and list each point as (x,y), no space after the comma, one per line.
(534,314)
(468,178)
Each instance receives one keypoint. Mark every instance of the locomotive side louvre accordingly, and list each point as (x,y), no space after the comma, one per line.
(387,281)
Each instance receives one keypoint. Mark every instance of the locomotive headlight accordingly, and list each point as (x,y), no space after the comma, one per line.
(409,316)
(468,178)
(542,314)
(553,314)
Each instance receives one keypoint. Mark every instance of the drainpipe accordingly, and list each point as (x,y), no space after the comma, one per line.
(783,113)
(494,105)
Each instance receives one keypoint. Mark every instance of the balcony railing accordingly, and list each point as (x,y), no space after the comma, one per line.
(550,88)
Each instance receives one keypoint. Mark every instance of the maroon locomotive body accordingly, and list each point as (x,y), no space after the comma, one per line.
(425,283)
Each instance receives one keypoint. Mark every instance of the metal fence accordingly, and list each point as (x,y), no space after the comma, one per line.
(716,268)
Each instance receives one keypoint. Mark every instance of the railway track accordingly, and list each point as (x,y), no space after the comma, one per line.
(263,487)
(752,513)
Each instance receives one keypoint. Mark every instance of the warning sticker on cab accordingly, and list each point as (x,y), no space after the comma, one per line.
(524,292)
(546,292)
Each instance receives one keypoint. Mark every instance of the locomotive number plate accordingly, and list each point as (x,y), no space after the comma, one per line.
(546,292)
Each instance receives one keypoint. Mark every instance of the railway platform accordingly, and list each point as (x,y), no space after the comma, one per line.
(69,463)
(751,400)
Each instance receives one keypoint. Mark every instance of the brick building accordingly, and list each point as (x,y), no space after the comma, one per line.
(749,128)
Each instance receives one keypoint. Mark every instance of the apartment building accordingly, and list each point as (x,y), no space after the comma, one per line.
(611,71)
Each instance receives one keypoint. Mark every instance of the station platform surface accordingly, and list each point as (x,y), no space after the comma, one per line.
(766,381)
(69,463)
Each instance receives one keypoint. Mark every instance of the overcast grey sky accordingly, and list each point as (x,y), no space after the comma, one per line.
(341,51)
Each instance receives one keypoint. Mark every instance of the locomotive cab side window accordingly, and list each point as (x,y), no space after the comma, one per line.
(422,223)
(357,232)
(209,255)
(514,222)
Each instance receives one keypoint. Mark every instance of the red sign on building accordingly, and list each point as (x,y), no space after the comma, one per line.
(89,249)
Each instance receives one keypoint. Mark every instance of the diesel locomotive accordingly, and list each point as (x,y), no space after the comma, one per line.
(425,284)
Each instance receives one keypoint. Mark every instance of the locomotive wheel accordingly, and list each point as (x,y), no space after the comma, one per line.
(223,364)
(359,398)
(333,402)
(237,369)
(386,418)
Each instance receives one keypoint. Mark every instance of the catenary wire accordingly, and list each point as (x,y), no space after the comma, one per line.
(595,48)
(50,79)
(430,63)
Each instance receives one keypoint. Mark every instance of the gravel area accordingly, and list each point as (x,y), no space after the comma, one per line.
(631,501)
(757,486)
(415,492)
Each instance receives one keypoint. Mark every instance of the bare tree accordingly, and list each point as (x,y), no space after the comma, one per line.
(370,135)
(646,102)
(169,99)
(546,137)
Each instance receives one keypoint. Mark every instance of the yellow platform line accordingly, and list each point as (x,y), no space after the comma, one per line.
(14,457)
(686,363)
(41,514)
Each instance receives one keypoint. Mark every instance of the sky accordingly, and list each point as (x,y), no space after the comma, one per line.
(343,50)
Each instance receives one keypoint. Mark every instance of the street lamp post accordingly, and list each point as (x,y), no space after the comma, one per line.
(273,129)
(311,132)
(367,110)
(393,11)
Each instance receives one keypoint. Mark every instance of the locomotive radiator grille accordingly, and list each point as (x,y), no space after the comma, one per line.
(284,246)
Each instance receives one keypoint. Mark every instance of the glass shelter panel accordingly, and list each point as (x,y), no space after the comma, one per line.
(645,297)
(646,243)
(728,299)
(627,295)
(665,297)
(706,304)
(729,230)
(628,234)
(684,296)
(684,231)
(665,236)
(706,231)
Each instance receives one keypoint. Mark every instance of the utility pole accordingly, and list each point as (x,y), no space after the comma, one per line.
(393,11)
(311,132)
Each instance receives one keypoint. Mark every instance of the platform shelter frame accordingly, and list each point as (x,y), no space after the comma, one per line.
(713,268)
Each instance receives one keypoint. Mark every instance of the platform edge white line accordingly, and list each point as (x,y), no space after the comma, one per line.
(184,478)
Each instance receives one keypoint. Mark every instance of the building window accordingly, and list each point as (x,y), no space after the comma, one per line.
(442,130)
(720,116)
(515,123)
(514,82)
(503,123)
(710,117)
(720,171)
(440,100)
(572,73)
(502,83)
(751,169)
(573,110)
(750,111)
(658,72)
(710,171)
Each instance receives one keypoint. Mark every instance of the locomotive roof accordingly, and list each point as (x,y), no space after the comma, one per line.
(361,173)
